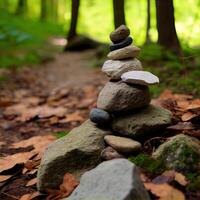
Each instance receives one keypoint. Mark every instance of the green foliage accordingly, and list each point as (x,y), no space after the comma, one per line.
(61,134)
(194,182)
(22,40)
(148,164)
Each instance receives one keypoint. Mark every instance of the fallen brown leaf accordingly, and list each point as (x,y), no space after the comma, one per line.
(164,191)
(4,177)
(188,116)
(181,126)
(40,143)
(68,185)
(31,182)
(30,196)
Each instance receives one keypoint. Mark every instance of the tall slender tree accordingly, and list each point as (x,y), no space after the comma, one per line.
(74,19)
(167,36)
(148,38)
(119,15)
(43,10)
(21,7)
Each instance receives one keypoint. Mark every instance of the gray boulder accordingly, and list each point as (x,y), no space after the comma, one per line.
(119,96)
(76,153)
(143,121)
(181,153)
(115,68)
(111,180)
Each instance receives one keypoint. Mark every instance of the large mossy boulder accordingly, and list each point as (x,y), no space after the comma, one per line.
(117,179)
(76,153)
(141,122)
(181,153)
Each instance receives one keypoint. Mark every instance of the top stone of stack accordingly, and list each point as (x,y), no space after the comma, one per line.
(121,33)
(121,47)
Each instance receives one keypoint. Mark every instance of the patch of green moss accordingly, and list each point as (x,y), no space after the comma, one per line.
(148,164)
(60,134)
(181,157)
(194,182)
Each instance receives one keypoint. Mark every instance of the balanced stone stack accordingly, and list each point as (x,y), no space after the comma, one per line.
(123,103)
(122,119)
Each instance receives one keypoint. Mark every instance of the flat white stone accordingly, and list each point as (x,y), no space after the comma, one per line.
(140,77)
(115,68)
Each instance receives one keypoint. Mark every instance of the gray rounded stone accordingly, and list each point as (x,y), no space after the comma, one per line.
(115,68)
(99,116)
(119,34)
(76,153)
(109,154)
(142,122)
(122,144)
(124,53)
(127,41)
(116,179)
(181,153)
(118,96)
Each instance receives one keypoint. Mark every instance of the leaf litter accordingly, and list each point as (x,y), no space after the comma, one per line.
(29,118)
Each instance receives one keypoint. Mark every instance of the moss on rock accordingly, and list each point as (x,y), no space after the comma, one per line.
(181,153)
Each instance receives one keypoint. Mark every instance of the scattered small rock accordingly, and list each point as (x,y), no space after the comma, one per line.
(139,77)
(118,96)
(109,153)
(181,153)
(142,122)
(126,42)
(126,52)
(100,116)
(115,68)
(119,34)
(116,179)
(122,144)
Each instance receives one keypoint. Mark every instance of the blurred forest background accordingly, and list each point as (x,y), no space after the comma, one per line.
(32,31)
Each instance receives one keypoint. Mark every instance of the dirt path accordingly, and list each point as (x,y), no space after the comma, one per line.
(72,69)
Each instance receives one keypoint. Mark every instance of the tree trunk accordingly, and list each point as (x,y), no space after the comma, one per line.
(74,18)
(21,7)
(148,38)
(43,11)
(119,15)
(167,36)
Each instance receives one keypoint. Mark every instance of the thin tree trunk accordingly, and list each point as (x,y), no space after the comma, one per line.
(148,38)
(119,15)
(74,18)
(167,36)
(43,11)
(21,7)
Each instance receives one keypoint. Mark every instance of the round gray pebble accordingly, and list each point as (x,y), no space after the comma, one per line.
(99,116)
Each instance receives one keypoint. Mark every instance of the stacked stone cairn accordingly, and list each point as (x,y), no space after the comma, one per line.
(115,130)
(124,101)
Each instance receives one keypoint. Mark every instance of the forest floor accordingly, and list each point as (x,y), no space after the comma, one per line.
(44,102)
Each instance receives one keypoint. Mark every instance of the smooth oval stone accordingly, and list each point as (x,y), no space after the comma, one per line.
(99,116)
(119,34)
(115,68)
(122,144)
(126,52)
(109,154)
(139,77)
(119,96)
(122,44)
